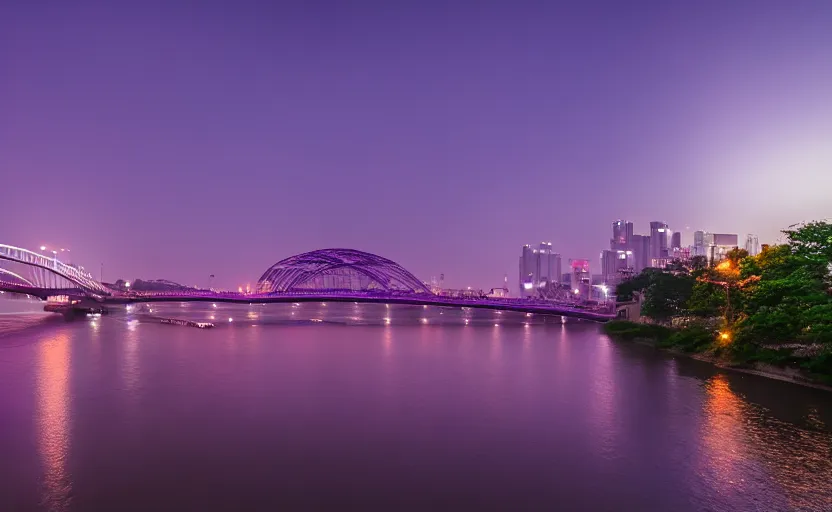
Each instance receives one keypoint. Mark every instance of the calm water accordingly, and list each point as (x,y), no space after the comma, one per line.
(276,412)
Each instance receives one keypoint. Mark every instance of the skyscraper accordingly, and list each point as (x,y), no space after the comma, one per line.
(752,245)
(538,268)
(699,243)
(676,241)
(658,240)
(640,246)
(622,234)
(616,264)
(581,281)
(718,244)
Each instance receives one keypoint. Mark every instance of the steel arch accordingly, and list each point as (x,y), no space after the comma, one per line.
(310,269)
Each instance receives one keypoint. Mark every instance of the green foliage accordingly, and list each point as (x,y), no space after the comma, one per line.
(812,241)
(624,291)
(818,320)
(691,339)
(780,296)
(632,330)
(706,300)
(667,295)
(820,366)
(736,255)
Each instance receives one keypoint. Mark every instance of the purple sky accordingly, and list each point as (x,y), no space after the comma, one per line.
(176,142)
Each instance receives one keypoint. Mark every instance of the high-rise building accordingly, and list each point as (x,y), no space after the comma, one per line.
(622,234)
(676,241)
(581,281)
(717,245)
(659,233)
(752,245)
(640,247)
(699,243)
(615,265)
(538,267)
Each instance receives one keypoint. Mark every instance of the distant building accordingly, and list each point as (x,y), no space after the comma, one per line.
(699,244)
(615,265)
(659,233)
(538,267)
(622,235)
(581,281)
(719,244)
(640,247)
(752,245)
(676,241)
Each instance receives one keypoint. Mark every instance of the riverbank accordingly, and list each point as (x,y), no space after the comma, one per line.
(705,345)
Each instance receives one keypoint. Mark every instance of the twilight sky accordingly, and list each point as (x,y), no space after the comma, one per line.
(177,141)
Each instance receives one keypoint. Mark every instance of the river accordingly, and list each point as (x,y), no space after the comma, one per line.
(362,407)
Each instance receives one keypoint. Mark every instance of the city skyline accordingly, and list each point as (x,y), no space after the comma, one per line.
(173,143)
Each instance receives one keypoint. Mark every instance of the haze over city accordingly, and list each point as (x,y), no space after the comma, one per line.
(174,143)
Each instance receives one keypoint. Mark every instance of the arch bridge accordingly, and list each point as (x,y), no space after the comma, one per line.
(335,275)
(25,271)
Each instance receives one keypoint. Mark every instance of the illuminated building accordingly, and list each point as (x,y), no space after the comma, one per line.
(659,233)
(718,245)
(615,265)
(622,234)
(752,245)
(581,279)
(538,268)
(699,243)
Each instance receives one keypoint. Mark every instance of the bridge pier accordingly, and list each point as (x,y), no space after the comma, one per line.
(72,307)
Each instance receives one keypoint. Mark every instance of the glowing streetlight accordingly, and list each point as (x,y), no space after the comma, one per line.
(127,284)
(42,247)
(724,265)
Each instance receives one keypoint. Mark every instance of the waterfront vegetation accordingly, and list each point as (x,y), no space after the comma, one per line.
(773,308)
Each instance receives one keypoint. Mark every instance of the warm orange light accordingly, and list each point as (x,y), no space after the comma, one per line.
(724,336)
(725,265)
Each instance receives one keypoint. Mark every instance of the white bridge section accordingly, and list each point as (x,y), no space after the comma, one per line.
(73,274)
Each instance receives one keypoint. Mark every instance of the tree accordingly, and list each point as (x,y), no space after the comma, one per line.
(698,264)
(624,290)
(812,241)
(735,256)
(667,295)
(706,300)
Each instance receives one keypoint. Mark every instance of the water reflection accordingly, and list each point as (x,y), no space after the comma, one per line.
(545,413)
(742,438)
(602,400)
(53,420)
(722,434)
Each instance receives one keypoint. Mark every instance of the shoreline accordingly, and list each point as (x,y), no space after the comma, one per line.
(770,372)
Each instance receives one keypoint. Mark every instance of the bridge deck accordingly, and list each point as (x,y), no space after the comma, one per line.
(598,315)
(518,305)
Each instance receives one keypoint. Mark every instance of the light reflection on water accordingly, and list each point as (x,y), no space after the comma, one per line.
(545,414)
(53,420)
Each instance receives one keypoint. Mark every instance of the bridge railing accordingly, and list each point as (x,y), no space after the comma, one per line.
(79,277)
